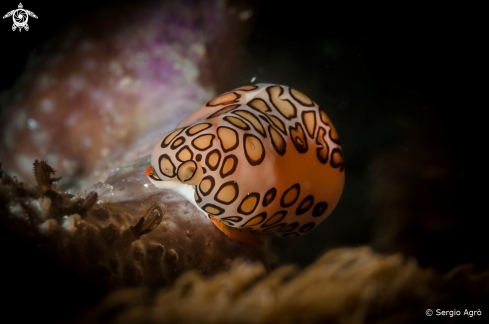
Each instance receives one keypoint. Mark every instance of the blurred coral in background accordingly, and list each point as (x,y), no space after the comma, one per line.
(104,90)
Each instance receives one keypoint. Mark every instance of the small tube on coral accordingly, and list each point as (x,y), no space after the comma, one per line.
(151,219)
(44,174)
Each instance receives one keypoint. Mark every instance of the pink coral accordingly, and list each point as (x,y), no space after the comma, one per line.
(105,89)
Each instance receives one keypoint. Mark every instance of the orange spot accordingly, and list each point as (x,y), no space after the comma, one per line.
(242,236)
(148,170)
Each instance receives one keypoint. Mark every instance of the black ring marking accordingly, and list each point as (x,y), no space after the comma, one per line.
(200,130)
(172,175)
(173,146)
(277,217)
(319,209)
(249,196)
(224,185)
(218,152)
(336,151)
(230,119)
(278,97)
(311,134)
(279,150)
(297,188)
(213,184)
(220,211)
(305,205)
(256,220)
(183,148)
(298,137)
(253,101)
(205,148)
(306,228)
(300,101)
(236,144)
(269,197)
(231,171)
(250,160)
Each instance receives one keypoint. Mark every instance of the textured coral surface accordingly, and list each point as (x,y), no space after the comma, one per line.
(125,232)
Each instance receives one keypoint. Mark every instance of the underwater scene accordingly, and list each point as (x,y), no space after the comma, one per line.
(212,161)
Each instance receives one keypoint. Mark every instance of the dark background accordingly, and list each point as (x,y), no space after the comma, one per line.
(384,75)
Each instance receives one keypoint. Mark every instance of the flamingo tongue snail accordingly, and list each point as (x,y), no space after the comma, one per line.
(260,159)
